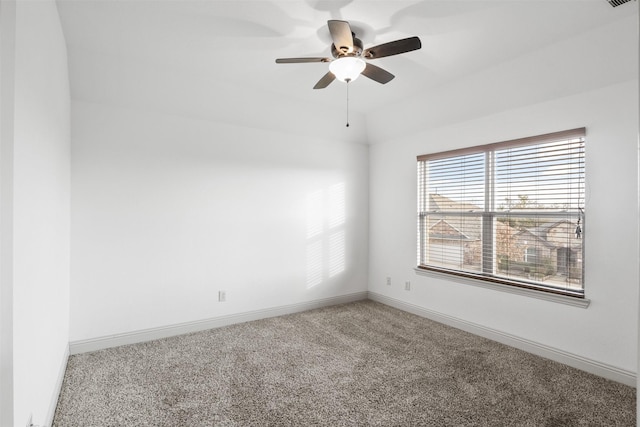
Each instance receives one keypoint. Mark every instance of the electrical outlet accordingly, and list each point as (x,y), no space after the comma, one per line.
(222,296)
(407,286)
(388,281)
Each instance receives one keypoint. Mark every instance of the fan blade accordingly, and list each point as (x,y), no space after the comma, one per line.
(341,35)
(325,81)
(377,74)
(300,60)
(393,48)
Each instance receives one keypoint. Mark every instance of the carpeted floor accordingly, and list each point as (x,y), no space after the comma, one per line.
(359,364)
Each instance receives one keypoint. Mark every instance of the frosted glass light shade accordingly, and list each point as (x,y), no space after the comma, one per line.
(347,68)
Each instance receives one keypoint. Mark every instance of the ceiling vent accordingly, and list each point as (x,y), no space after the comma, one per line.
(615,3)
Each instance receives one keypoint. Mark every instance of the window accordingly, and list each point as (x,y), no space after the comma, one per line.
(531,254)
(509,213)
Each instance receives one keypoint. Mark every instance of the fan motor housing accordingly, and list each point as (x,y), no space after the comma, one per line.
(344,51)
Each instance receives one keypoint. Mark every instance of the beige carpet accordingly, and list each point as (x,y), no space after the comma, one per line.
(359,364)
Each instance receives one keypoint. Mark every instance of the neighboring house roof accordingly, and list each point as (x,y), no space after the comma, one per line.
(444,230)
(527,233)
(543,229)
(438,202)
(469,228)
(544,233)
(454,227)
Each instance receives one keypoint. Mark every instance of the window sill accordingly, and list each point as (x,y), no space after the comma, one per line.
(561,299)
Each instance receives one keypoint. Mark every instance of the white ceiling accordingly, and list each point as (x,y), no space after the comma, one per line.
(217,58)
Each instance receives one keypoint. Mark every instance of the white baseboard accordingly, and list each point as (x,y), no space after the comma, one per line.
(94,344)
(58,388)
(592,366)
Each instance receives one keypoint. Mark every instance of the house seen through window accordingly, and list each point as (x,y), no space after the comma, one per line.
(510,212)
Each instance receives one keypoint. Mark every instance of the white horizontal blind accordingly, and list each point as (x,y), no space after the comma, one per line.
(511,212)
(547,176)
(453,195)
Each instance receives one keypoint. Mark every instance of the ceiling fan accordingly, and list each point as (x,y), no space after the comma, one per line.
(349,56)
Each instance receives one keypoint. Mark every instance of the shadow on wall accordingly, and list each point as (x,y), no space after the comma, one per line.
(326,218)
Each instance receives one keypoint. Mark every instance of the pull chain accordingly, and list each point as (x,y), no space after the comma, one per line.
(347,80)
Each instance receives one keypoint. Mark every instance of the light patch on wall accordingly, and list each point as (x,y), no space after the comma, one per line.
(326,247)
(337,206)
(315,221)
(336,253)
(314,263)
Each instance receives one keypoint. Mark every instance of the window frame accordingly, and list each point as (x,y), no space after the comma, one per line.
(489,214)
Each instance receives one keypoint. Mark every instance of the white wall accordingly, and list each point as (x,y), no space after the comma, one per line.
(606,332)
(168,210)
(590,80)
(7,68)
(41,210)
